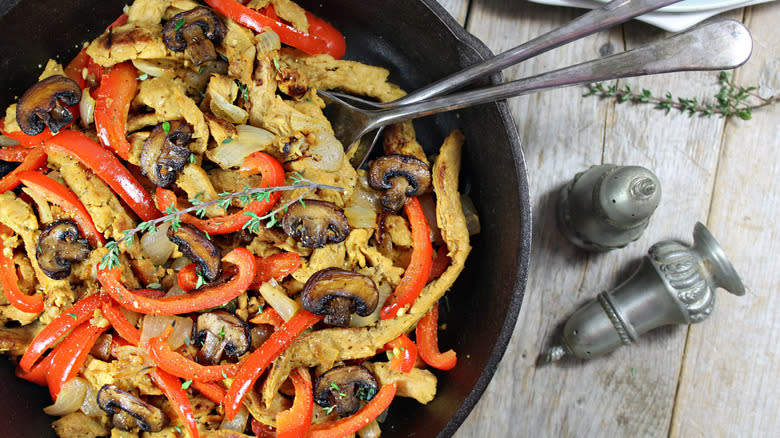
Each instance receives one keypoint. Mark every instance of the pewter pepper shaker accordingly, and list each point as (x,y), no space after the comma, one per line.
(607,206)
(674,285)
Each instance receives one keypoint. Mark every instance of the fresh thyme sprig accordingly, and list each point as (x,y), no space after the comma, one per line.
(224,200)
(731,100)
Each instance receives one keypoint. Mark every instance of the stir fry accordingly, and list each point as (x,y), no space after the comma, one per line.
(185,248)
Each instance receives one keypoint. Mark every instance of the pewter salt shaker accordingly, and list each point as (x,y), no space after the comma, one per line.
(607,206)
(675,284)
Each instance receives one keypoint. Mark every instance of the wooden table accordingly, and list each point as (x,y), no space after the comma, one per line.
(712,379)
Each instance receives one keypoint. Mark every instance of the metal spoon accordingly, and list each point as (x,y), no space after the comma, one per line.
(611,14)
(717,45)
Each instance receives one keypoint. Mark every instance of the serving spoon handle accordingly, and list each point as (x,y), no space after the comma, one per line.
(716,45)
(611,14)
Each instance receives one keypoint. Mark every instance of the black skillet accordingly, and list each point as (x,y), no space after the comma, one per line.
(419,42)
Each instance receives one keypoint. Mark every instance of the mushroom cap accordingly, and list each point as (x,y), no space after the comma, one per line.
(399,176)
(220,331)
(194,244)
(194,32)
(343,388)
(58,247)
(113,400)
(337,293)
(164,154)
(315,223)
(40,105)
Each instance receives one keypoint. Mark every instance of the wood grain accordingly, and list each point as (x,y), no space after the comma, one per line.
(730,382)
(719,377)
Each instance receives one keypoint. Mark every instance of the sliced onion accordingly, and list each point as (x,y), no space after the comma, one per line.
(328,151)
(179,263)
(86,108)
(238,423)
(175,290)
(356,320)
(370,430)
(362,207)
(154,325)
(156,245)
(267,41)
(159,68)
(470,211)
(90,406)
(275,296)
(7,141)
(226,110)
(248,139)
(69,399)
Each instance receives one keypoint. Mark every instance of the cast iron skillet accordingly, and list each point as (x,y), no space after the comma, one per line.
(419,42)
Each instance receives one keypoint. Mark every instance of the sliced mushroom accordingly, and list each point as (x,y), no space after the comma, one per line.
(194,32)
(343,387)
(194,244)
(337,293)
(315,223)
(42,105)
(165,151)
(399,176)
(220,332)
(59,246)
(114,401)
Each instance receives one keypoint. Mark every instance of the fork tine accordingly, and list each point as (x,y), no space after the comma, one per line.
(348,121)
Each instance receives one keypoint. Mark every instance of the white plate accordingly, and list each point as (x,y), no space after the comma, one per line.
(696,5)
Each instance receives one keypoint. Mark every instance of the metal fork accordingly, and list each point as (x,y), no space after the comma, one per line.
(717,45)
(612,13)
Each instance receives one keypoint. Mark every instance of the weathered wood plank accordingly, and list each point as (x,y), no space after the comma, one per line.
(562,134)
(730,382)
(631,392)
(457,8)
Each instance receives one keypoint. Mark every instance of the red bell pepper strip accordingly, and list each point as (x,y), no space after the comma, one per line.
(273,176)
(34,160)
(38,372)
(428,342)
(112,104)
(180,366)
(171,387)
(262,430)
(349,425)
(256,21)
(404,353)
(30,140)
(440,262)
(58,194)
(15,154)
(75,69)
(269,316)
(188,277)
(76,314)
(335,44)
(276,267)
(262,357)
(295,422)
(204,298)
(114,315)
(416,275)
(107,167)
(70,354)
(210,390)
(9,281)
